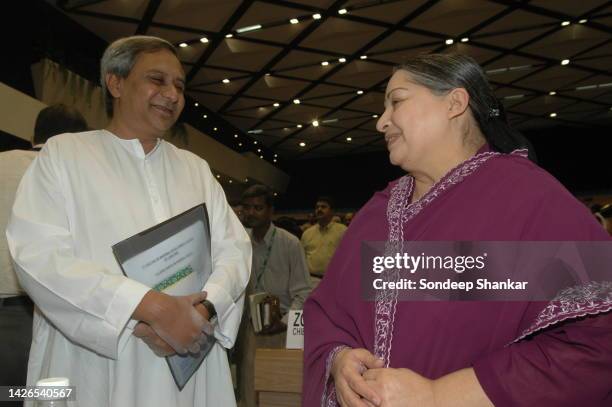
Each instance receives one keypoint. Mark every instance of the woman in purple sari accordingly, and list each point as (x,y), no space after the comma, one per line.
(469,181)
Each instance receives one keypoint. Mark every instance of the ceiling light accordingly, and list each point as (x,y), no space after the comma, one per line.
(275,194)
(218,176)
(375,116)
(229,35)
(183,44)
(342,60)
(315,123)
(553,115)
(259,150)
(276,104)
(261,156)
(235,136)
(360,92)
(324,63)
(230,181)
(294,21)
(255,142)
(275,160)
(465,39)
(267,73)
(363,57)
(239,144)
(552,93)
(349,139)
(226,80)
(342,11)
(215,129)
(584,20)
(296,101)
(249,28)
(275,155)
(449,41)
(203,40)
(565,62)
(196,104)
(565,23)
(316,16)
(205,116)
(302,144)
(299,126)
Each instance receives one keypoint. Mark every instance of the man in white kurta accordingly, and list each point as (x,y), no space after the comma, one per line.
(86,192)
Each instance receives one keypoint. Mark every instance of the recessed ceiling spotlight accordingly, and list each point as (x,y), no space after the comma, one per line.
(465,39)
(276,104)
(226,80)
(229,35)
(183,44)
(449,41)
(203,40)
(363,57)
(316,16)
(565,62)
(324,63)
(360,92)
(342,11)
(342,60)
(349,139)
(552,93)
(294,21)
(565,23)
(553,115)
(296,101)
(302,144)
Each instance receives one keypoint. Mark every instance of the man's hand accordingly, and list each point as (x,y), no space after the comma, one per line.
(401,387)
(174,319)
(347,369)
(157,344)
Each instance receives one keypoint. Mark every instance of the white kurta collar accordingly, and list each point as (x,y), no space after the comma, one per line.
(133,146)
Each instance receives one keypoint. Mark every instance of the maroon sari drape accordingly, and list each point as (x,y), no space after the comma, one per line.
(555,358)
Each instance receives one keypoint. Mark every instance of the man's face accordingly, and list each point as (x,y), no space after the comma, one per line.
(151,98)
(323,212)
(256,212)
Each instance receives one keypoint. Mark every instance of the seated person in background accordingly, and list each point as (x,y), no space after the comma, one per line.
(320,241)
(279,268)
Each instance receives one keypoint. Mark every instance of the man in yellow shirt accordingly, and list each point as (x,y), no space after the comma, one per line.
(320,240)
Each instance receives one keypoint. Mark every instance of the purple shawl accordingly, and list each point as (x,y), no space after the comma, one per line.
(559,356)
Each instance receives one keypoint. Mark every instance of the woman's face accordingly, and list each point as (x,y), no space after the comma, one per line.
(415,123)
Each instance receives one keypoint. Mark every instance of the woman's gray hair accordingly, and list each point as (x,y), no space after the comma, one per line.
(120,56)
(441,73)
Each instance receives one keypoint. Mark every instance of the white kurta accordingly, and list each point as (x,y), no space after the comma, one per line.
(84,193)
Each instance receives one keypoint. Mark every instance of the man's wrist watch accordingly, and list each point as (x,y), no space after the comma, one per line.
(212,312)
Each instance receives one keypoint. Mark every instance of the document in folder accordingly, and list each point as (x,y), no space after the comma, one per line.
(173,257)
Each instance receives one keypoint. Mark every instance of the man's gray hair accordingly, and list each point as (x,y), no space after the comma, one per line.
(120,56)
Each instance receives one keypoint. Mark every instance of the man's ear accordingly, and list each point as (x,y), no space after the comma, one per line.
(458,102)
(114,84)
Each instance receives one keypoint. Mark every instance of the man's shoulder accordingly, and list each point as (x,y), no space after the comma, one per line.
(311,231)
(287,236)
(339,227)
(183,154)
(67,140)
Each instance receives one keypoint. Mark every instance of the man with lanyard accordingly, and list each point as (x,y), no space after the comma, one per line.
(87,191)
(15,306)
(279,268)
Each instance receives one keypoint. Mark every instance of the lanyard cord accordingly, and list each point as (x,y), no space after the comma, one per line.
(265,262)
